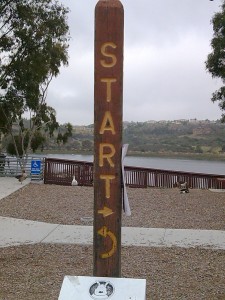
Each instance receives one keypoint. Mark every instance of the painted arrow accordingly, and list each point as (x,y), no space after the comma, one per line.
(105,232)
(105,211)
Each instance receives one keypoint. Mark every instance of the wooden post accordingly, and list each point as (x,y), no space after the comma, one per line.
(109,36)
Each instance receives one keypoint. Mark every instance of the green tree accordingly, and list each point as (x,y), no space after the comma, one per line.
(215,63)
(63,135)
(34,37)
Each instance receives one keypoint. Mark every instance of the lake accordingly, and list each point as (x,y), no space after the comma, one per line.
(186,165)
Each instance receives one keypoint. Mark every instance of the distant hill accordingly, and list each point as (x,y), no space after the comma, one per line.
(176,137)
(180,137)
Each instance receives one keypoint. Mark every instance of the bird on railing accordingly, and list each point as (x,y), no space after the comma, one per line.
(74,182)
(22,176)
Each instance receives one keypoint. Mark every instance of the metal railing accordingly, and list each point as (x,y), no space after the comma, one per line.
(59,171)
(10,167)
(145,177)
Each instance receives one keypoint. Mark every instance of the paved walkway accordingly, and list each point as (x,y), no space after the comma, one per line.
(18,232)
(9,185)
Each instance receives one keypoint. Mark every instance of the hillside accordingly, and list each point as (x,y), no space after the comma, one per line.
(176,137)
(183,137)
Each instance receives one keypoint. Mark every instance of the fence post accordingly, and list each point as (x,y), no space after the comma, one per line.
(146,179)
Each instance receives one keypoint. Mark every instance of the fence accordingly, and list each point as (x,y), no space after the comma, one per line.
(58,171)
(10,167)
(143,177)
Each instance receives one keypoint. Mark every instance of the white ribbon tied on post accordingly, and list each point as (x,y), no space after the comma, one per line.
(126,205)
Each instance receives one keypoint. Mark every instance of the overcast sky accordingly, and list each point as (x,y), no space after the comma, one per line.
(165,48)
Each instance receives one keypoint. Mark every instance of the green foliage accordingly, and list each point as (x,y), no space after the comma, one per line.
(33,38)
(34,43)
(37,141)
(63,137)
(215,63)
(16,146)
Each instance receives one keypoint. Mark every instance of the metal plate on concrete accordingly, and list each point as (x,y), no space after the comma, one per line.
(96,288)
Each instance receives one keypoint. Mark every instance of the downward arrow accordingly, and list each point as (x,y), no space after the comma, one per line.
(105,211)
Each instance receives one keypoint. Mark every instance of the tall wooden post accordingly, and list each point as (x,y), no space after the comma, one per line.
(109,36)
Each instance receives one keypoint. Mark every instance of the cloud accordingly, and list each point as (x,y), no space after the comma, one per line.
(165,47)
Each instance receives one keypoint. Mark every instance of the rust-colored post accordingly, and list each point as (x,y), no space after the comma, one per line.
(109,36)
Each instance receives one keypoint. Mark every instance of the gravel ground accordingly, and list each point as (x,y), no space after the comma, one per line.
(36,272)
(154,208)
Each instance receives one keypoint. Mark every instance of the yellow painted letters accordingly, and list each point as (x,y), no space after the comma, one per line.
(107,179)
(108,82)
(105,53)
(107,123)
(108,156)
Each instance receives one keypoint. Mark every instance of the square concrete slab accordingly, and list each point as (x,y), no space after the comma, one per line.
(84,288)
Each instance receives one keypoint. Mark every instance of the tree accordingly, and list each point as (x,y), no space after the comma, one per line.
(62,137)
(215,63)
(34,39)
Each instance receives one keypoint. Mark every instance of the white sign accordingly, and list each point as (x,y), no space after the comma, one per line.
(126,205)
(104,288)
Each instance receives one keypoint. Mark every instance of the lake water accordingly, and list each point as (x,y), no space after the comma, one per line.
(186,165)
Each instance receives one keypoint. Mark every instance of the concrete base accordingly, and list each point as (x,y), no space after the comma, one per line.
(84,288)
